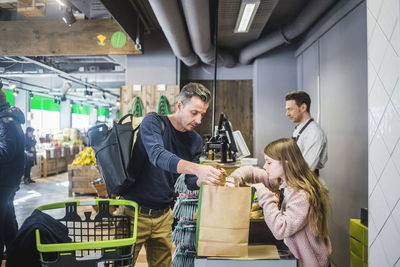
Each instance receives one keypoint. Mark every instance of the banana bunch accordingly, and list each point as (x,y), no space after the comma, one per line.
(256,212)
(85,157)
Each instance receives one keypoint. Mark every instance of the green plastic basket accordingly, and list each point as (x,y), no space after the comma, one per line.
(107,239)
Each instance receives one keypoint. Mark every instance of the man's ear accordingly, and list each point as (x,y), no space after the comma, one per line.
(179,106)
(303,107)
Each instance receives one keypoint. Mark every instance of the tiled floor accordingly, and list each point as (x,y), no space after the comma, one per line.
(50,190)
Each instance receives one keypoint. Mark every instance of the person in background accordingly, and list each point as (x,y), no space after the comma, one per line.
(166,147)
(300,217)
(308,135)
(30,154)
(11,168)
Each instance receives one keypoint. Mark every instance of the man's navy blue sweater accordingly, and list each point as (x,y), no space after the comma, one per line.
(156,155)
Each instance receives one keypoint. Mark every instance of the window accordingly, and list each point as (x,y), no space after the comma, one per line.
(80,116)
(46,114)
(102,114)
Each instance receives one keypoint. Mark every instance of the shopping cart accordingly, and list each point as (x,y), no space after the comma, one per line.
(105,240)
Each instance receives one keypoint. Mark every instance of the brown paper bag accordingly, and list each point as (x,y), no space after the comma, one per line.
(223,221)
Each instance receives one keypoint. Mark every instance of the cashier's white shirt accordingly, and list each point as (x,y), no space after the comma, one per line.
(313,144)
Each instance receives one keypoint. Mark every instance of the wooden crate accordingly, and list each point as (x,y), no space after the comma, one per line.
(53,153)
(70,158)
(36,171)
(62,164)
(80,178)
(49,166)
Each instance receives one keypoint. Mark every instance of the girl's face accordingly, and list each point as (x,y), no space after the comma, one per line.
(273,168)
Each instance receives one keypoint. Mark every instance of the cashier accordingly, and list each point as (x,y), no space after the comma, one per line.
(308,135)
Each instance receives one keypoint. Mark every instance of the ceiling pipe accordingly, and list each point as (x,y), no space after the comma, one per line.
(171,22)
(313,10)
(67,76)
(197,14)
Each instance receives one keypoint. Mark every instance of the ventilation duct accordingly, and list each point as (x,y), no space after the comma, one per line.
(313,10)
(171,22)
(197,14)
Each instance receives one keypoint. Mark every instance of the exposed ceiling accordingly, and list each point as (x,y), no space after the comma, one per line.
(104,74)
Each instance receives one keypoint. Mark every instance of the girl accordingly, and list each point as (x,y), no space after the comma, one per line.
(301,218)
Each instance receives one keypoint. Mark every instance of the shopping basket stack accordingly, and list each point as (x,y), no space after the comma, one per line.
(101,239)
(184,235)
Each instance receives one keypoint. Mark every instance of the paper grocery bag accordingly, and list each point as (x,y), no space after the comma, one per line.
(223,221)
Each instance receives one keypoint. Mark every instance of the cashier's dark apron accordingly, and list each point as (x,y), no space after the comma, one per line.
(295,138)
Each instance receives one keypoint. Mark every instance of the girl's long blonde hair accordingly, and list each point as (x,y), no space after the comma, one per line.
(299,176)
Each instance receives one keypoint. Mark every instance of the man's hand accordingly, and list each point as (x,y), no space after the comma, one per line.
(208,175)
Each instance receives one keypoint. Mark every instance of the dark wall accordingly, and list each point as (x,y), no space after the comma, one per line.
(234,99)
(274,76)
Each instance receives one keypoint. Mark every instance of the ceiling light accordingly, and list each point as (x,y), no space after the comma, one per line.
(12,86)
(110,108)
(15,92)
(80,107)
(118,104)
(60,2)
(248,10)
(68,17)
(71,104)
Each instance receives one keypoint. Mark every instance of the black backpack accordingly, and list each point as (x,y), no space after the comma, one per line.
(113,150)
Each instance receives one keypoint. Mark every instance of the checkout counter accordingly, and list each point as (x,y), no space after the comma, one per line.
(262,251)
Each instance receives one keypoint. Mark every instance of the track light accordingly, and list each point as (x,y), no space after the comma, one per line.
(12,86)
(104,96)
(110,108)
(1,84)
(71,104)
(15,92)
(80,107)
(30,95)
(69,17)
(87,93)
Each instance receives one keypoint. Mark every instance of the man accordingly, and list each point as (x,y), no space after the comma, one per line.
(309,136)
(11,168)
(30,154)
(167,146)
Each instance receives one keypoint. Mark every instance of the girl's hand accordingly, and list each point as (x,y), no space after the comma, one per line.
(258,186)
(231,182)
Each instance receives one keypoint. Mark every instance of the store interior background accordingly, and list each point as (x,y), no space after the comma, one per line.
(349,64)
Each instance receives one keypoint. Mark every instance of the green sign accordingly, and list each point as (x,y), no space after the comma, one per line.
(102,112)
(36,102)
(76,109)
(118,39)
(9,97)
(48,104)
